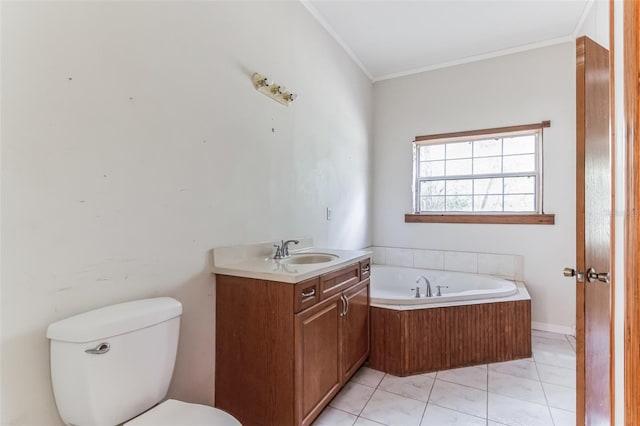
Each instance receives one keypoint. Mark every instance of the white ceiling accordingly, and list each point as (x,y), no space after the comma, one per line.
(390,38)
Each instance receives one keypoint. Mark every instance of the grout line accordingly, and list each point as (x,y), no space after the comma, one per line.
(553,365)
(372,393)
(424,412)
(486,411)
(369,420)
(544,393)
(402,395)
(570,342)
(461,412)
(466,386)
(337,409)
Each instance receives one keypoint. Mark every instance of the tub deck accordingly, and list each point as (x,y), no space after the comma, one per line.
(406,342)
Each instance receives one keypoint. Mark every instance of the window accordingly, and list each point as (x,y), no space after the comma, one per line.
(484,172)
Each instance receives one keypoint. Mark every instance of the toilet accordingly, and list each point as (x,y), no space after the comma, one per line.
(113,365)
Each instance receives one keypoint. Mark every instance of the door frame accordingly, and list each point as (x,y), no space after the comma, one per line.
(631,117)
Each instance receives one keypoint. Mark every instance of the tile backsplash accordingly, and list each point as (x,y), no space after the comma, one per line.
(502,265)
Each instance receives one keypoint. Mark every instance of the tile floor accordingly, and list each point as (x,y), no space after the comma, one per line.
(535,391)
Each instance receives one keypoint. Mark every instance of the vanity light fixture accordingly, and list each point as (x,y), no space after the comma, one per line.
(268,87)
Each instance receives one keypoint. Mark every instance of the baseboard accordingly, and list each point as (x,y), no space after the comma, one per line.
(553,328)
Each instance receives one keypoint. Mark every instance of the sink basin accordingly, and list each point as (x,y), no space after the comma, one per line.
(310,258)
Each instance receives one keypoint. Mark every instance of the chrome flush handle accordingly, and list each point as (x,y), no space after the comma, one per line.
(102,348)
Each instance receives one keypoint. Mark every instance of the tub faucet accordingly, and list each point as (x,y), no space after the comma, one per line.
(428,292)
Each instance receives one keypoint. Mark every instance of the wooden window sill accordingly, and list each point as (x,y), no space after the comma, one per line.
(510,219)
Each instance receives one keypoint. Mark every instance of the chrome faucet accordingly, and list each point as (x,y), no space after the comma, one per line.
(285,247)
(428,292)
(282,250)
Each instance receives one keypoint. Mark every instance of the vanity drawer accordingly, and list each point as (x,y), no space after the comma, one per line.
(365,269)
(335,282)
(306,294)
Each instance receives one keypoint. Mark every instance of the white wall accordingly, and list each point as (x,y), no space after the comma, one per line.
(516,89)
(133,142)
(596,23)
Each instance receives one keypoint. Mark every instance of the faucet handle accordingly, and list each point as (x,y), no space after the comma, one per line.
(438,287)
(278,254)
(417,290)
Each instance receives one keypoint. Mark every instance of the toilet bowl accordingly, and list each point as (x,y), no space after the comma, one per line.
(113,365)
(172,413)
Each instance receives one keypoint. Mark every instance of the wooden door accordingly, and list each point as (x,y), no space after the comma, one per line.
(318,335)
(355,334)
(593,234)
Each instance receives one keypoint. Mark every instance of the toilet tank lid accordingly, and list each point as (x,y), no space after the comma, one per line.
(114,320)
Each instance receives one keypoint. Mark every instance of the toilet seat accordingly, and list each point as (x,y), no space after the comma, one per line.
(178,413)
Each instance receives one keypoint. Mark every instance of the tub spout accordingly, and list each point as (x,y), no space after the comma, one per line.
(428,292)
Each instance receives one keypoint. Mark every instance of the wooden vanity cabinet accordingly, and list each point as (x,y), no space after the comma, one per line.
(318,373)
(284,350)
(355,330)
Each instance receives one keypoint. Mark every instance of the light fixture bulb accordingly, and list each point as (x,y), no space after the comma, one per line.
(268,87)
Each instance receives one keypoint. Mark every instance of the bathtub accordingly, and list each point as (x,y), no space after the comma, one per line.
(477,320)
(395,285)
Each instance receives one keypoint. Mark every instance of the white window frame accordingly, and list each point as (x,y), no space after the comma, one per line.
(472,136)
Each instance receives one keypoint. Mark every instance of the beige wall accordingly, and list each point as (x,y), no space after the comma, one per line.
(520,88)
(133,142)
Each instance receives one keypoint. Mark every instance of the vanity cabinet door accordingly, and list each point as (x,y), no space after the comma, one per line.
(355,326)
(318,336)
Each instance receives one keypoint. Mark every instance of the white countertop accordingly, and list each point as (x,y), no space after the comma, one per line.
(263,267)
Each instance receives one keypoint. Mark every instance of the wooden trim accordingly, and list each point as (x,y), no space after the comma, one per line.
(612,321)
(484,132)
(632,228)
(505,219)
(580,229)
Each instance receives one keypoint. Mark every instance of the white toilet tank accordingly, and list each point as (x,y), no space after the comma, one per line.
(113,363)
